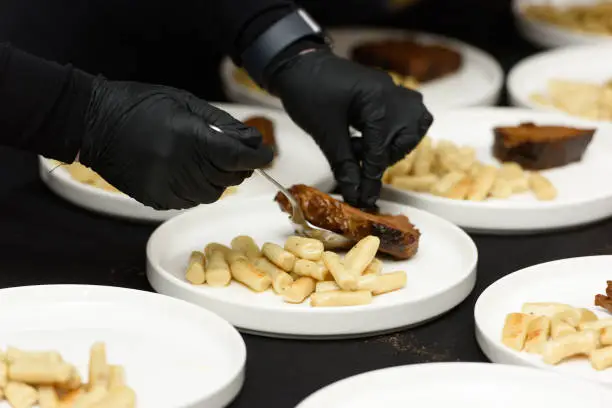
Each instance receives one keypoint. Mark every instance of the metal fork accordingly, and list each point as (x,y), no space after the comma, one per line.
(301,225)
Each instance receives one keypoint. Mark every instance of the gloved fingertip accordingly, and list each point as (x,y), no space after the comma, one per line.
(372,210)
(251,136)
(369,193)
(350,194)
(403,144)
(395,157)
(263,157)
(348,176)
(218,194)
(425,122)
(173,204)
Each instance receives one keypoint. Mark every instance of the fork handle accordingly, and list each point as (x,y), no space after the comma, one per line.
(297,215)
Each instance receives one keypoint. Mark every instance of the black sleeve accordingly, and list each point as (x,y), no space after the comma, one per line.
(239,22)
(42,104)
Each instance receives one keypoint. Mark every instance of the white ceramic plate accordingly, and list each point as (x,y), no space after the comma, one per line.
(435,283)
(175,355)
(585,195)
(442,385)
(550,35)
(299,161)
(574,281)
(477,83)
(590,63)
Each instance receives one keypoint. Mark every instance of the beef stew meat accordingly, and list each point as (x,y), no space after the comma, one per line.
(398,237)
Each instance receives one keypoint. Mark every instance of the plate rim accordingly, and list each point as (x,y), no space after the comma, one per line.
(45,164)
(530,270)
(62,185)
(452,366)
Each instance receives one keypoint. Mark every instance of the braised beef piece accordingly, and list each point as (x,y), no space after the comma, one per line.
(398,237)
(540,147)
(424,62)
(605,301)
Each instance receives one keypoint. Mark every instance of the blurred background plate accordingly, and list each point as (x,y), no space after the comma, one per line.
(585,63)
(442,385)
(477,83)
(549,35)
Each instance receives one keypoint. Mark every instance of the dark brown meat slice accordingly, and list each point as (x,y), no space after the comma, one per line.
(604,301)
(422,61)
(540,147)
(398,237)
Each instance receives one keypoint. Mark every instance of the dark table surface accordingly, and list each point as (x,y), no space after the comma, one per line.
(45,240)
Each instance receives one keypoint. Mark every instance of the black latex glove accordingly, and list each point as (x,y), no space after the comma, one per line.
(325,94)
(154,143)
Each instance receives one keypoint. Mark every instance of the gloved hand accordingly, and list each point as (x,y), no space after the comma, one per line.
(154,143)
(325,94)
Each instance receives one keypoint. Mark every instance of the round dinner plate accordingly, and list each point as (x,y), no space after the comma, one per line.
(440,276)
(589,63)
(573,281)
(175,354)
(584,193)
(442,385)
(550,35)
(299,161)
(477,83)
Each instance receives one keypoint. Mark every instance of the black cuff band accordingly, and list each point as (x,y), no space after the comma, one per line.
(283,33)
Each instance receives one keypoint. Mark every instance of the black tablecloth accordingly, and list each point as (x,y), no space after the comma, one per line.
(44,240)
